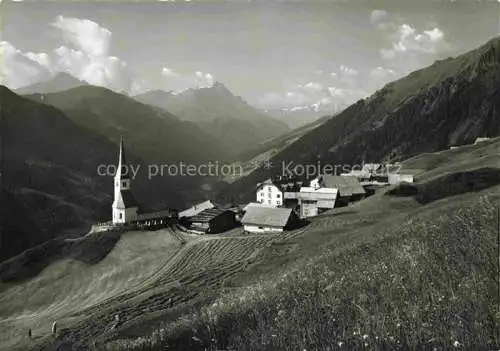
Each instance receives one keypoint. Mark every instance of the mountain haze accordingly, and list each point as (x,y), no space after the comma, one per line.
(226,117)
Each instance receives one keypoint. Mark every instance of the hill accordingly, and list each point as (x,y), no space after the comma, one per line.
(60,82)
(227,118)
(51,179)
(154,135)
(451,102)
(387,272)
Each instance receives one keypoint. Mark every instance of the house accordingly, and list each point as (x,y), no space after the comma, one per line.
(213,220)
(396,178)
(371,167)
(480,140)
(312,201)
(194,210)
(156,219)
(258,219)
(349,187)
(270,192)
(125,207)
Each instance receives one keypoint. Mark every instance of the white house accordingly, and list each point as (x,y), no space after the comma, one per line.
(124,206)
(260,219)
(269,194)
(396,178)
(480,140)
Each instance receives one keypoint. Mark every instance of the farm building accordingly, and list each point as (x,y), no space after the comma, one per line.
(212,220)
(349,187)
(194,210)
(258,219)
(156,219)
(312,200)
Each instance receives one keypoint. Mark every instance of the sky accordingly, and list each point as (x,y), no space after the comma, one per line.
(274,54)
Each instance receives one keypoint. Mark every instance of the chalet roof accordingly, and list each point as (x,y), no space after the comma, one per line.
(194,210)
(207,215)
(267,216)
(347,185)
(126,200)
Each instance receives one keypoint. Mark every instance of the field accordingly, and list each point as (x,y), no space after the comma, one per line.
(384,273)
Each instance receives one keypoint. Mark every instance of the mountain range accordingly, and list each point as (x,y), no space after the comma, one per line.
(226,117)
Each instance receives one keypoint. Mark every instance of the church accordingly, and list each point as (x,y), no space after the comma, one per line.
(125,206)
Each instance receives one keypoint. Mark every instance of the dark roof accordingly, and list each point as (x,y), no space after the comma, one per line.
(347,185)
(267,216)
(126,200)
(208,214)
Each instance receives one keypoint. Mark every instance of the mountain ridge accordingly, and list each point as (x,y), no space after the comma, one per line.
(228,118)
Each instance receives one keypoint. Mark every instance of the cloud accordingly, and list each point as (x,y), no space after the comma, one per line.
(86,35)
(408,41)
(171,80)
(312,95)
(85,55)
(22,68)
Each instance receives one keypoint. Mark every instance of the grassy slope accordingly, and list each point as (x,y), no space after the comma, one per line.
(387,257)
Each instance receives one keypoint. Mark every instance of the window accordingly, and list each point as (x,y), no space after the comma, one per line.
(269,195)
(278,196)
(124,184)
(121,215)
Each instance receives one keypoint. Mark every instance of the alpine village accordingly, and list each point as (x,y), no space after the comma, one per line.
(289,175)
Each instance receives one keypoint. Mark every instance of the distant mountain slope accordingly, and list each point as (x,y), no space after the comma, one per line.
(62,81)
(51,175)
(228,118)
(298,117)
(450,102)
(153,134)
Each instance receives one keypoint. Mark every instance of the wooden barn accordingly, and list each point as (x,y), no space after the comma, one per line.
(212,221)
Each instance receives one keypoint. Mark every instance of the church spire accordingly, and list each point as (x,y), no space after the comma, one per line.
(122,171)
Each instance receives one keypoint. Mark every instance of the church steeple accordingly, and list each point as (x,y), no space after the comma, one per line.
(125,206)
(122,170)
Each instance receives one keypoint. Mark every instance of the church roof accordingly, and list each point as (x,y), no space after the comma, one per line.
(126,200)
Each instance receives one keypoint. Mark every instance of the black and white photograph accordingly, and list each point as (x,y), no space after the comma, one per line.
(254,175)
